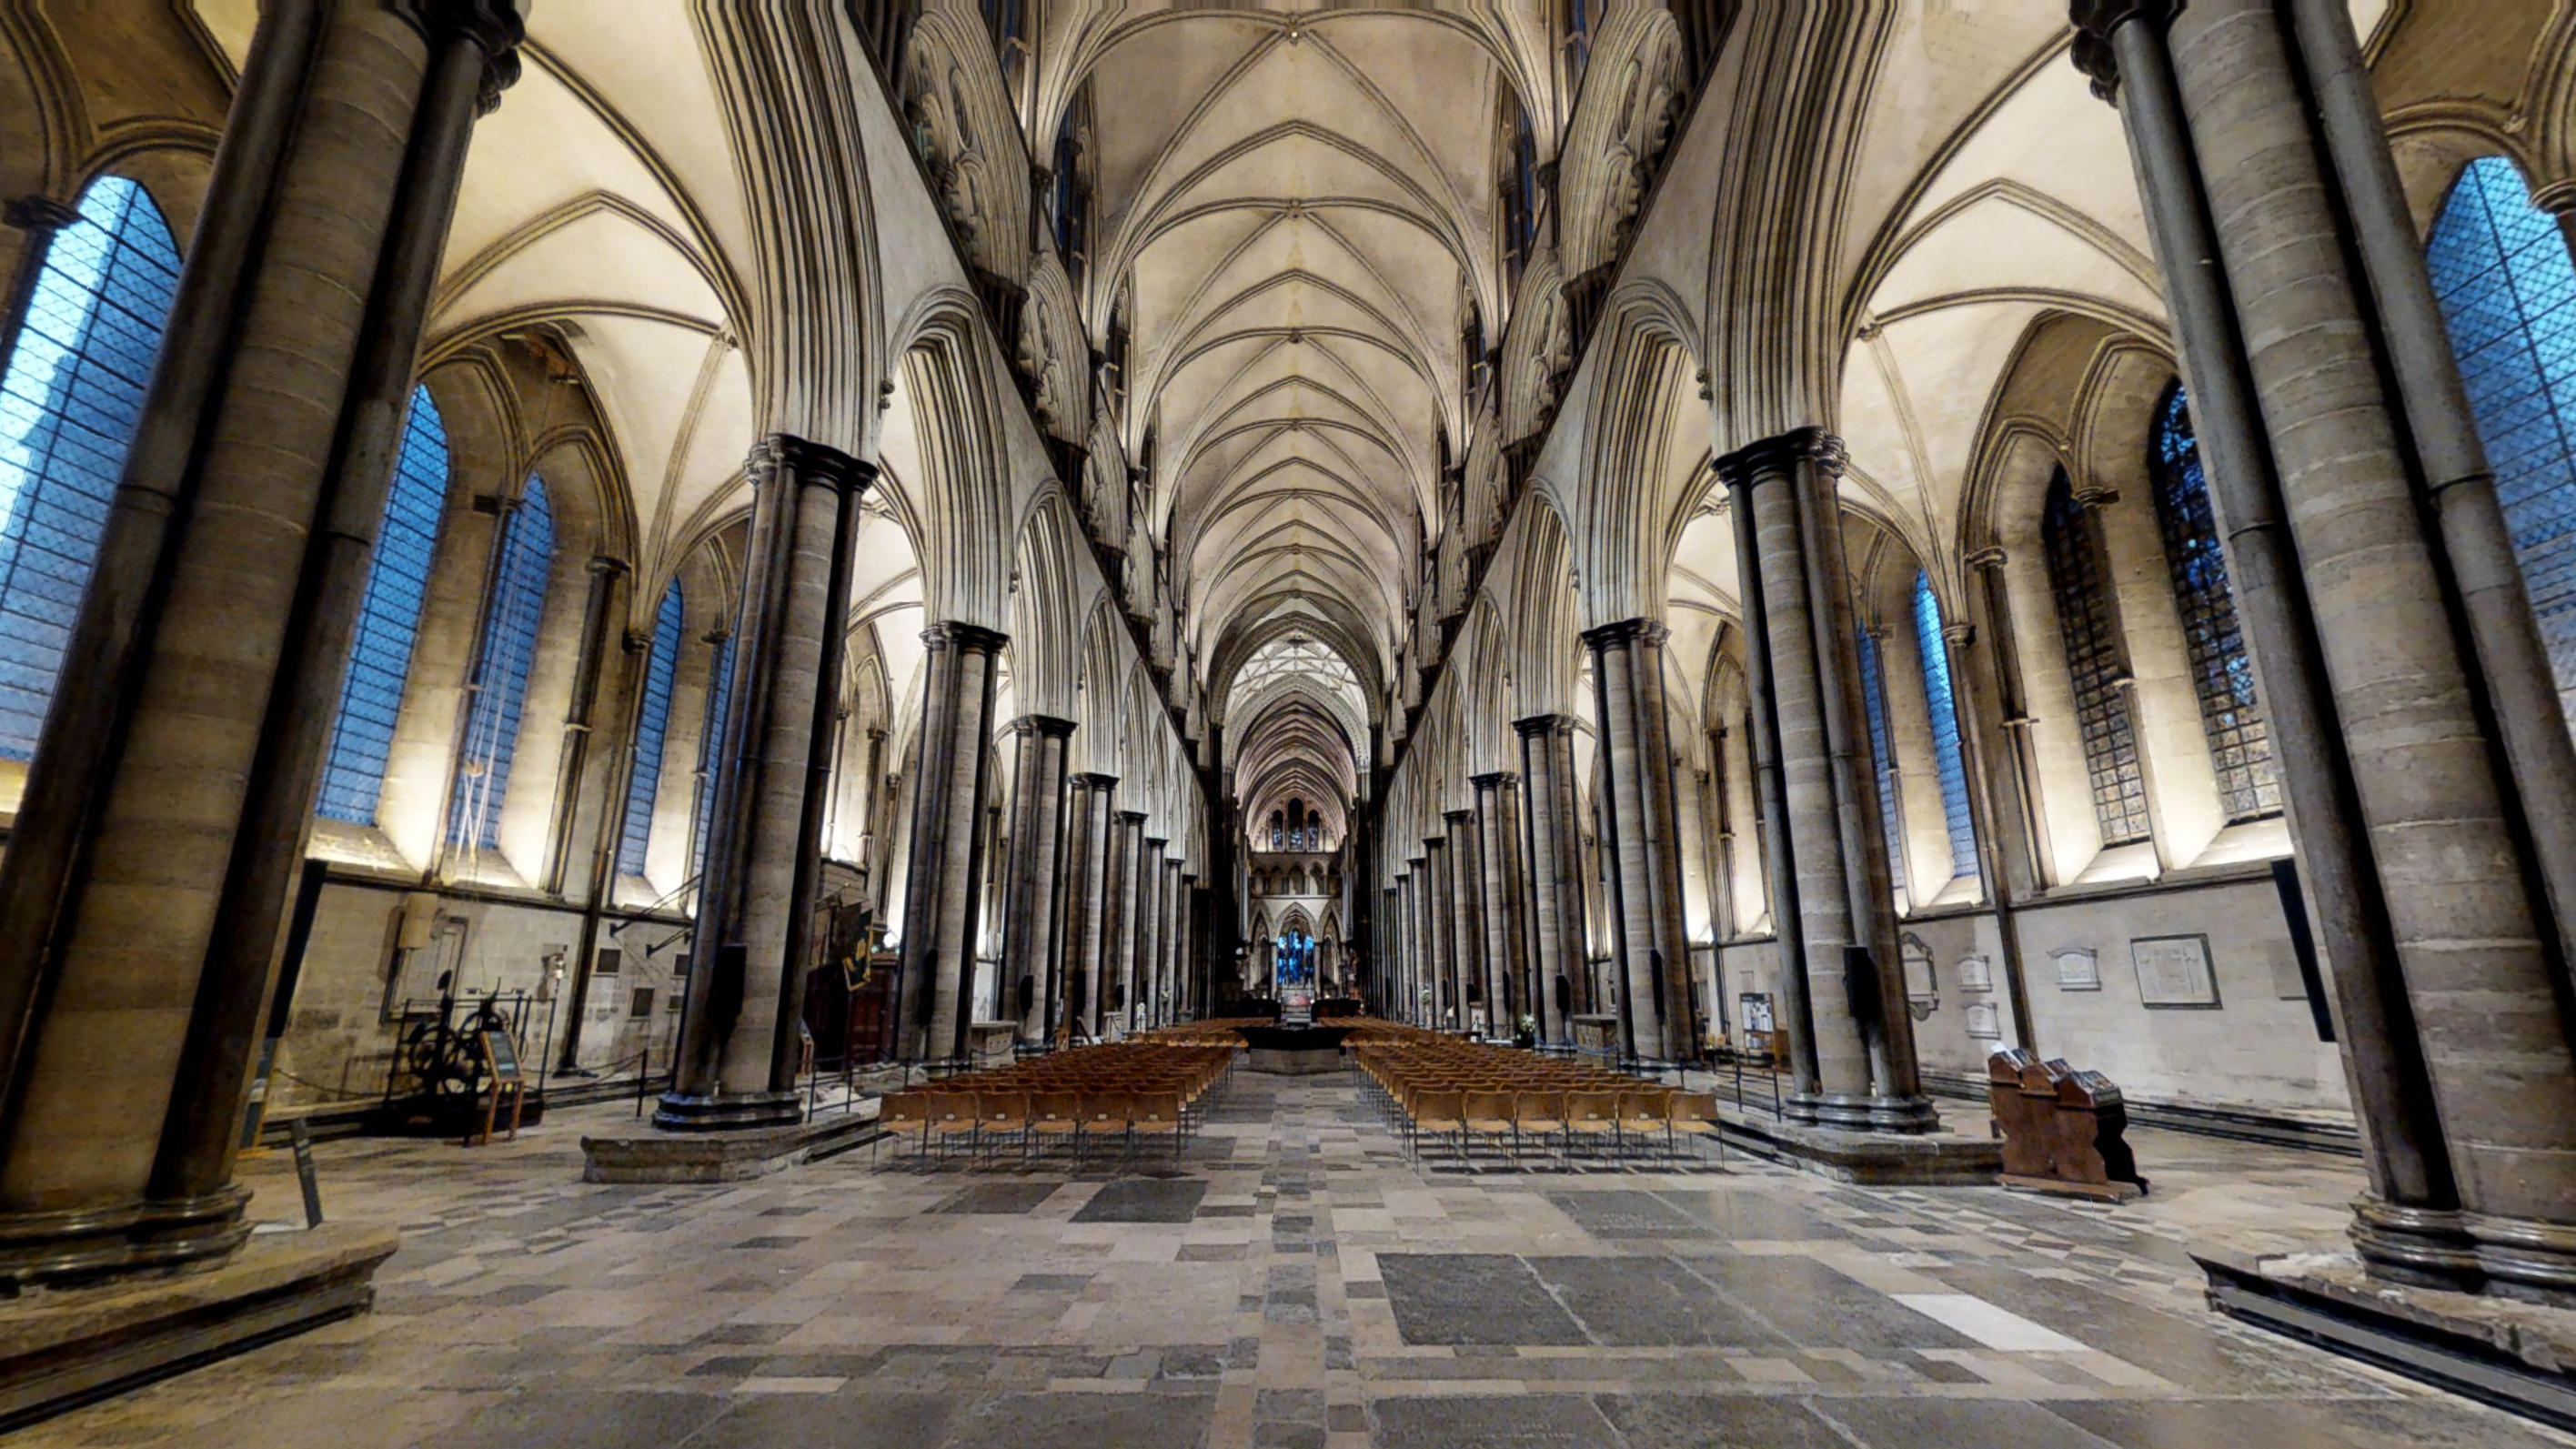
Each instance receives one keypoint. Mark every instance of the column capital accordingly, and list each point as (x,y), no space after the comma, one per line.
(2094,22)
(808,461)
(1782,454)
(967,637)
(1495,779)
(1536,726)
(39,213)
(496,27)
(602,564)
(1625,631)
(1457,816)
(1041,724)
(1093,779)
(1157,842)
(1131,817)
(1417,862)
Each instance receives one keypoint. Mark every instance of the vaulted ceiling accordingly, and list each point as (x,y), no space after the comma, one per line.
(1301,205)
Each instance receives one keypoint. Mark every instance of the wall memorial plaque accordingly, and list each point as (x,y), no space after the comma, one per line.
(1983,1022)
(1975,974)
(2173,972)
(2076,969)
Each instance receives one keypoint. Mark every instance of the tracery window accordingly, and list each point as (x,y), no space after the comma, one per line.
(500,689)
(1942,705)
(2240,739)
(2508,292)
(1520,194)
(362,738)
(1873,695)
(711,747)
(652,731)
(2080,579)
(69,402)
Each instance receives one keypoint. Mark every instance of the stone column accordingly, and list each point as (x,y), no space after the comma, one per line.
(1167,1000)
(1446,1006)
(2480,1179)
(1643,844)
(1190,949)
(738,1046)
(1498,808)
(1109,920)
(1082,817)
(943,886)
(1466,918)
(1098,906)
(170,797)
(1149,932)
(1037,862)
(1407,1003)
(1555,871)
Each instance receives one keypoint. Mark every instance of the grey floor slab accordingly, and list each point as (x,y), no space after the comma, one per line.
(1473,1298)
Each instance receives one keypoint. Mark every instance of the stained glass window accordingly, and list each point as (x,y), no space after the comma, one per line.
(711,747)
(500,686)
(2508,292)
(2240,739)
(652,727)
(362,739)
(69,403)
(1873,694)
(1942,705)
(2080,578)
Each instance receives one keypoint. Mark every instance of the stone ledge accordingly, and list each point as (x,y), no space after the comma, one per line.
(649,1156)
(1868,1159)
(2518,1356)
(65,1348)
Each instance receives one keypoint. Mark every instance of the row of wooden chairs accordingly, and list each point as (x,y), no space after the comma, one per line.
(1467,1096)
(1135,1091)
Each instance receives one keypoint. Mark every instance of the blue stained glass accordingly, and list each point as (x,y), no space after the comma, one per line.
(501,675)
(2240,739)
(1873,694)
(652,727)
(2508,293)
(73,393)
(711,748)
(362,739)
(2079,579)
(1942,704)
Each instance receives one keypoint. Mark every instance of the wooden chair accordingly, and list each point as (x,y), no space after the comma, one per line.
(952,1114)
(1646,1114)
(1540,1114)
(1103,1112)
(1694,1115)
(1438,1113)
(1156,1114)
(1003,1114)
(1487,1114)
(1591,1115)
(900,1115)
(1056,1116)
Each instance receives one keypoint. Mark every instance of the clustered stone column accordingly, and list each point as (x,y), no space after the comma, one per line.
(1447,1010)
(1814,741)
(2265,171)
(1498,808)
(1149,931)
(1555,875)
(1466,918)
(1167,970)
(1084,811)
(945,885)
(738,1048)
(1641,843)
(172,789)
(1408,890)
(1118,931)
(1036,870)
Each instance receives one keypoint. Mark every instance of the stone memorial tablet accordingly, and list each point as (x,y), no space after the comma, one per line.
(2173,971)
(2076,969)
(1975,974)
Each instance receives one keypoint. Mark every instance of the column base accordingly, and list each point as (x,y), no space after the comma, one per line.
(727,1111)
(61,1350)
(2527,1260)
(2420,1247)
(85,1246)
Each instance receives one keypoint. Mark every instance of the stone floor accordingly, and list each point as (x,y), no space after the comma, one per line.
(1293,1283)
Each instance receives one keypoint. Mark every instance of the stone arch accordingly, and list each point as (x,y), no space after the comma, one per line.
(1043,624)
(944,435)
(1610,156)
(1649,418)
